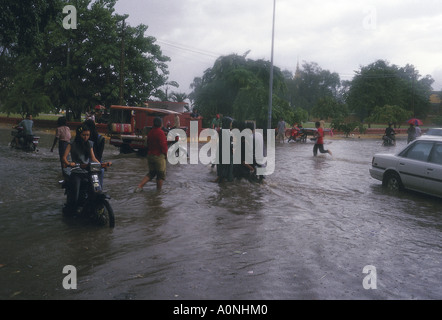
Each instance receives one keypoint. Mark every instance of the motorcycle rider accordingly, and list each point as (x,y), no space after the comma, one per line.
(81,150)
(26,134)
(390,134)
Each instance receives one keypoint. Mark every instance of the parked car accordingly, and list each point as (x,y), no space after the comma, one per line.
(434,132)
(417,167)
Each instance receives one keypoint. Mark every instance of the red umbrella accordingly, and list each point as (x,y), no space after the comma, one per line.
(415,121)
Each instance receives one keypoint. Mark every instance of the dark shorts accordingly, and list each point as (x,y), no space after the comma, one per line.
(320,147)
(157,166)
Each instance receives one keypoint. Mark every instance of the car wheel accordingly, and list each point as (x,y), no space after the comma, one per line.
(393,182)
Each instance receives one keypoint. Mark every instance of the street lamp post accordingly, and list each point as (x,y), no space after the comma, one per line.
(269,124)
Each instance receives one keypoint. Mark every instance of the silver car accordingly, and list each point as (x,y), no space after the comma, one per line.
(434,132)
(417,167)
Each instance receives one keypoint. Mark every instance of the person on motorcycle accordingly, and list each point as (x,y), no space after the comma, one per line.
(81,150)
(390,133)
(98,146)
(26,134)
(294,132)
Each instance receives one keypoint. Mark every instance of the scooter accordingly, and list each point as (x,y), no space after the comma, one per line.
(388,141)
(298,135)
(27,143)
(93,202)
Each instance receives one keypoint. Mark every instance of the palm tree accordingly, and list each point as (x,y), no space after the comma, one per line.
(178,97)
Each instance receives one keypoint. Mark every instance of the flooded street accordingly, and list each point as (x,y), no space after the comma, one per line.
(307,233)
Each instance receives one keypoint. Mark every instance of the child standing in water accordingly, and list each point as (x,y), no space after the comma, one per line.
(319,140)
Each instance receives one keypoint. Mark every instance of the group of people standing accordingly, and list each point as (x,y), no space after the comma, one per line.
(413,132)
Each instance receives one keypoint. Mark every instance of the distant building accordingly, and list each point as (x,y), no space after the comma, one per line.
(436,102)
(169,105)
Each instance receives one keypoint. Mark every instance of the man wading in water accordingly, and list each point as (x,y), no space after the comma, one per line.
(156,156)
(319,141)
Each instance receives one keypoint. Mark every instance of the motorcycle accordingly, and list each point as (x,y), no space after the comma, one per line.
(27,143)
(93,202)
(388,141)
(297,135)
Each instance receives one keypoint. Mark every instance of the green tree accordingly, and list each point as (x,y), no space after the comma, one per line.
(380,84)
(310,84)
(21,24)
(103,61)
(27,95)
(389,114)
(238,87)
(340,124)
(21,81)
(329,107)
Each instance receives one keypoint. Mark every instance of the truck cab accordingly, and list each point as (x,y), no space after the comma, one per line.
(128,126)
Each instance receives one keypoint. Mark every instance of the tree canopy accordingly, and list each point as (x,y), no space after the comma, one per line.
(238,87)
(390,114)
(310,84)
(380,84)
(103,61)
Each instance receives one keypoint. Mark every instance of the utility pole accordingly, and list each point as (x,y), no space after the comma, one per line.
(68,109)
(269,124)
(122,56)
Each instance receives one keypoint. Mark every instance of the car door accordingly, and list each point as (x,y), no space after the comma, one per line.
(412,165)
(433,171)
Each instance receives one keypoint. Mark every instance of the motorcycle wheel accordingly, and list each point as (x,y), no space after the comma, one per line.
(13,144)
(104,214)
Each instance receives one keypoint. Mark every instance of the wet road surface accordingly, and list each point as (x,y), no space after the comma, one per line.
(307,233)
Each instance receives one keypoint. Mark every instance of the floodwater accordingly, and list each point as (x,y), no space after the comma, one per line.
(307,233)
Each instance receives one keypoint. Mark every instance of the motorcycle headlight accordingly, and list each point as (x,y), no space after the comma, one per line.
(95,167)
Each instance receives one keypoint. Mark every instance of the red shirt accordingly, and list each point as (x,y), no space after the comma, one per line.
(320,136)
(156,142)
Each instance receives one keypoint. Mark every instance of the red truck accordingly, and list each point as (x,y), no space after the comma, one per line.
(129,126)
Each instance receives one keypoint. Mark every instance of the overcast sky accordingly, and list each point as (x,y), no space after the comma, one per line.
(340,35)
